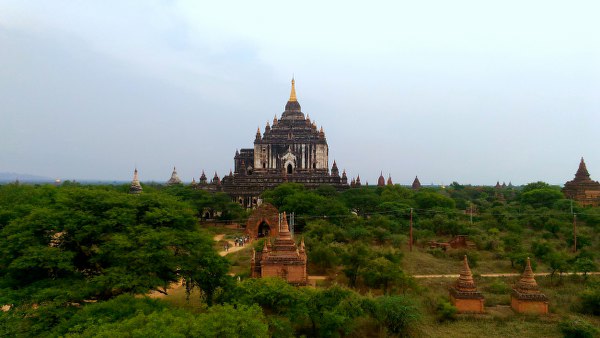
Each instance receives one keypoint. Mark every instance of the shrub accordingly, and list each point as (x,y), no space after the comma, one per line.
(437,252)
(577,328)
(498,287)
(445,311)
(590,301)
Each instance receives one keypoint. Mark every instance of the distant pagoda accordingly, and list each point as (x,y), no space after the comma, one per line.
(464,294)
(135,187)
(416,185)
(526,296)
(174,178)
(381,180)
(582,188)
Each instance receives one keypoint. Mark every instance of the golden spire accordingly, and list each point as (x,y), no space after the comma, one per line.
(293,92)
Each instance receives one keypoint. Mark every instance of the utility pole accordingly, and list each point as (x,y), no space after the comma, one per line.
(410,241)
(574,232)
(292,220)
(571,206)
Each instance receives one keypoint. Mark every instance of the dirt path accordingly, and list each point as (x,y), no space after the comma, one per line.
(505,275)
(232,247)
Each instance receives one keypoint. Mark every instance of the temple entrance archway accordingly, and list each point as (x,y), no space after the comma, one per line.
(263,229)
(290,169)
(263,221)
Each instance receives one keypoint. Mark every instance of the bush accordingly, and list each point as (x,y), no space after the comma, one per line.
(396,315)
(498,287)
(445,311)
(437,252)
(590,301)
(577,328)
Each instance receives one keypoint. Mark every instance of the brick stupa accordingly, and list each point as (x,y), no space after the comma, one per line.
(416,185)
(282,258)
(526,296)
(464,294)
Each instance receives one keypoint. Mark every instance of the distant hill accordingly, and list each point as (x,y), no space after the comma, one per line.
(11,177)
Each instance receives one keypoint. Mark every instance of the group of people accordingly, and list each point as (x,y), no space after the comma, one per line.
(237,241)
(241,241)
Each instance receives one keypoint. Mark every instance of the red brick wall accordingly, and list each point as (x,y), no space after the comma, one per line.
(531,307)
(467,305)
(292,274)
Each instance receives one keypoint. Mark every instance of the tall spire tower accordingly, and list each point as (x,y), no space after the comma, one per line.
(292,107)
(135,187)
(293,91)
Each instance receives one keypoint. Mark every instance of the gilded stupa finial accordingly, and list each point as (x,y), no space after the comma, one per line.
(293,92)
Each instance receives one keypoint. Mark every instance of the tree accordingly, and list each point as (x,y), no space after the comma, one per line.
(362,201)
(557,260)
(354,257)
(382,273)
(545,197)
(104,243)
(332,311)
(584,265)
(535,185)
(429,200)
(396,315)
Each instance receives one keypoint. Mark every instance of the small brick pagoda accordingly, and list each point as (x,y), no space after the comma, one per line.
(464,294)
(526,296)
(281,259)
(582,188)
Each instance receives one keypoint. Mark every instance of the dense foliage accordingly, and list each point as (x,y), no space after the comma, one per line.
(76,260)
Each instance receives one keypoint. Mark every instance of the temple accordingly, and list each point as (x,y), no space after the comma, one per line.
(416,185)
(135,187)
(464,294)
(582,189)
(381,182)
(526,296)
(281,259)
(292,149)
(174,178)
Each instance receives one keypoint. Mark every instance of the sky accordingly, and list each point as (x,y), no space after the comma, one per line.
(468,91)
